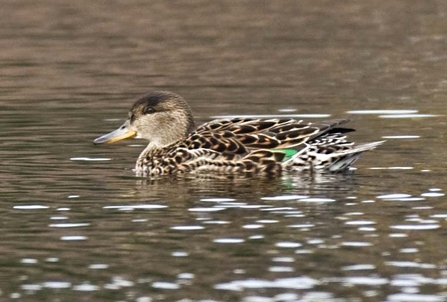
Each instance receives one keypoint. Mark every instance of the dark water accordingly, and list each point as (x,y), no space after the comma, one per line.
(76,225)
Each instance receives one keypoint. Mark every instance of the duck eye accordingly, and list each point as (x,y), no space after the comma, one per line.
(149,110)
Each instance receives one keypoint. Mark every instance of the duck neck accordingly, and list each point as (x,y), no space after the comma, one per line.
(146,156)
(150,148)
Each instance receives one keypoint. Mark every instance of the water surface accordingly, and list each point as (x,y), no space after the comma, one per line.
(77,225)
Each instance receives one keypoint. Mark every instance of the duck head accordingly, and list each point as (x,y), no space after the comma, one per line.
(161,117)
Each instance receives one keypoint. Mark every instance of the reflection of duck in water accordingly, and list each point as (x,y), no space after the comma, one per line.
(231,145)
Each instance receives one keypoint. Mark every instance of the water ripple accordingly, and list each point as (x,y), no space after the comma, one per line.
(73,238)
(30,207)
(400,136)
(283,259)
(360,222)
(136,207)
(410,264)
(284,197)
(288,244)
(90,159)
(118,282)
(58,218)
(32,287)
(28,261)
(165,285)
(263,116)
(361,280)
(203,209)
(252,226)
(432,194)
(179,254)
(409,115)
(281,269)
(68,225)
(317,200)
(98,266)
(229,240)
(416,227)
(85,287)
(356,244)
(187,227)
(56,284)
(285,283)
(383,111)
(415,298)
(217,199)
(394,196)
(359,267)
(302,226)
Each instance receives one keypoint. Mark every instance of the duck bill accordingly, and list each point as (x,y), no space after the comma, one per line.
(121,133)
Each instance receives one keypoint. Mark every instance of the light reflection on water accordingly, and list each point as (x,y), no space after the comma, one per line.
(295,116)
(78,225)
(286,256)
(408,115)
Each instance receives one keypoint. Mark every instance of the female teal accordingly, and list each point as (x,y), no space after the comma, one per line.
(237,145)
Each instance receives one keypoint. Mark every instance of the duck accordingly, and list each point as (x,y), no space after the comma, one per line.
(232,145)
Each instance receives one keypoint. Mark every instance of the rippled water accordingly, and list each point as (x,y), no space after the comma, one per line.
(77,225)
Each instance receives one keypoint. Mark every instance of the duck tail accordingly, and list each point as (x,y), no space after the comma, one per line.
(365,147)
(349,158)
(328,158)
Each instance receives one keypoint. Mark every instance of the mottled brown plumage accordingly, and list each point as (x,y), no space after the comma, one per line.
(231,145)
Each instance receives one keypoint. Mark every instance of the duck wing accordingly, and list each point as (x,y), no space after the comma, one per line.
(241,135)
(264,145)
